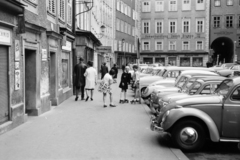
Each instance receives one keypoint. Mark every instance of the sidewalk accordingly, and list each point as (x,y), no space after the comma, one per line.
(87,131)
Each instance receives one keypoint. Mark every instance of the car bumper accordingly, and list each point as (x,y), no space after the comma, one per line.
(154,125)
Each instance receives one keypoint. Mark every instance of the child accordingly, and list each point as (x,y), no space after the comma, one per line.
(136,78)
(107,81)
(125,81)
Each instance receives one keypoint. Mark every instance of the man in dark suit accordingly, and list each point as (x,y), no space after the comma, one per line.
(104,70)
(79,71)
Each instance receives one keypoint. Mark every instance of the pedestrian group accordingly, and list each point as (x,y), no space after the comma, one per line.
(86,80)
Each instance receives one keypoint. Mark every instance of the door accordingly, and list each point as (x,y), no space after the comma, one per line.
(231,115)
(4,107)
(30,80)
(53,77)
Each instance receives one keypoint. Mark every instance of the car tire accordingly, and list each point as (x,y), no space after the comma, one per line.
(189,135)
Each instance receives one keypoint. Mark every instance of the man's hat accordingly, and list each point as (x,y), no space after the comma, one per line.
(81,59)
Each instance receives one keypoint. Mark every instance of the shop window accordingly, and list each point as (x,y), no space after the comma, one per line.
(197,62)
(65,73)
(172,61)
(160,60)
(217,3)
(184,62)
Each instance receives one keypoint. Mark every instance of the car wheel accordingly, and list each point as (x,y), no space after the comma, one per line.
(189,135)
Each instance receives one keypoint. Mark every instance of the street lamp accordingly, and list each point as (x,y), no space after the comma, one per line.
(123,52)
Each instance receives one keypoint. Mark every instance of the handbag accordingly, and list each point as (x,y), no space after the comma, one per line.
(103,87)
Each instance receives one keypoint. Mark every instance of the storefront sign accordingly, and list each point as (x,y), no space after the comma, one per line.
(17,80)
(223,33)
(5,36)
(104,49)
(44,54)
(68,46)
(17,50)
(175,36)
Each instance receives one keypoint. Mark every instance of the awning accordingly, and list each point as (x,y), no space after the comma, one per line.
(12,6)
(90,35)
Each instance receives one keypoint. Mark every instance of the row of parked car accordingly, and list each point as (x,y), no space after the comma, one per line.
(193,104)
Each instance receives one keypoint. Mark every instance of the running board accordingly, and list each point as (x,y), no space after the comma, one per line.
(229,140)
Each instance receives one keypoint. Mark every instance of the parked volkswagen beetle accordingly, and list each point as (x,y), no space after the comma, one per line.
(191,121)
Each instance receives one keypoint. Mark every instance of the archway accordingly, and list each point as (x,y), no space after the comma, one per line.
(223,47)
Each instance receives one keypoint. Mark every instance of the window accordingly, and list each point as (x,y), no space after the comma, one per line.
(238,40)
(146,6)
(185,46)
(126,9)
(229,21)
(62,10)
(229,2)
(126,28)
(133,31)
(146,46)
(122,7)
(238,21)
(118,25)
(146,27)
(122,26)
(172,45)
(159,6)
(69,8)
(51,6)
(200,26)
(186,26)
(172,5)
(186,5)
(217,3)
(216,22)
(159,45)
(172,26)
(197,62)
(199,45)
(236,95)
(158,27)
(118,5)
(184,61)
(206,90)
(200,5)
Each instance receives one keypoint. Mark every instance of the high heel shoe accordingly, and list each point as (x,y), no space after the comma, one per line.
(87,98)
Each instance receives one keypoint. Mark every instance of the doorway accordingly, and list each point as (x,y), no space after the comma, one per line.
(30,80)
(52,72)
(224,48)
(4,107)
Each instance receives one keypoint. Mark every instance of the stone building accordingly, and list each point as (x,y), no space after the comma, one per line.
(12,108)
(175,32)
(36,50)
(127,31)
(225,31)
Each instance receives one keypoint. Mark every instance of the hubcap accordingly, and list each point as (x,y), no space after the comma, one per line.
(188,135)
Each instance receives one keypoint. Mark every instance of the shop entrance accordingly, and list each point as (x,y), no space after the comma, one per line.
(53,77)
(223,47)
(30,80)
(4,107)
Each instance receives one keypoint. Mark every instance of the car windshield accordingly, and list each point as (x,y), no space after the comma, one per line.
(224,87)
(194,88)
(161,72)
(181,82)
(156,71)
(172,74)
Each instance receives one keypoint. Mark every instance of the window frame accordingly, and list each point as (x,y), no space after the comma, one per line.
(161,7)
(229,4)
(189,25)
(183,4)
(146,8)
(170,8)
(156,26)
(174,44)
(197,46)
(188,46)
(143,27)
(156,45)
(143,45)
(217,1)
(203,28)
(175,21)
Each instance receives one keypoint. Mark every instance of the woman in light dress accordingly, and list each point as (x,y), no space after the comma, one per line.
(91,79)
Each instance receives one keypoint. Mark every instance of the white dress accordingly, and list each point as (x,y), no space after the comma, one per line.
(91,76)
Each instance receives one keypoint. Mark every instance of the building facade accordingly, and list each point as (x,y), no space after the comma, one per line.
(127,31)
(96,18)
(175,32)
(36,49)
(225,31)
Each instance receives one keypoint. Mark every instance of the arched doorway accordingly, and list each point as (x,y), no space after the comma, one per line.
(223,47)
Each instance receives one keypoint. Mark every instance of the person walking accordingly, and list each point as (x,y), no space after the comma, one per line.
(136,78)
(91,79)
(79,70)
(107,82)
(116,73)
(125,81)
(104,70)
